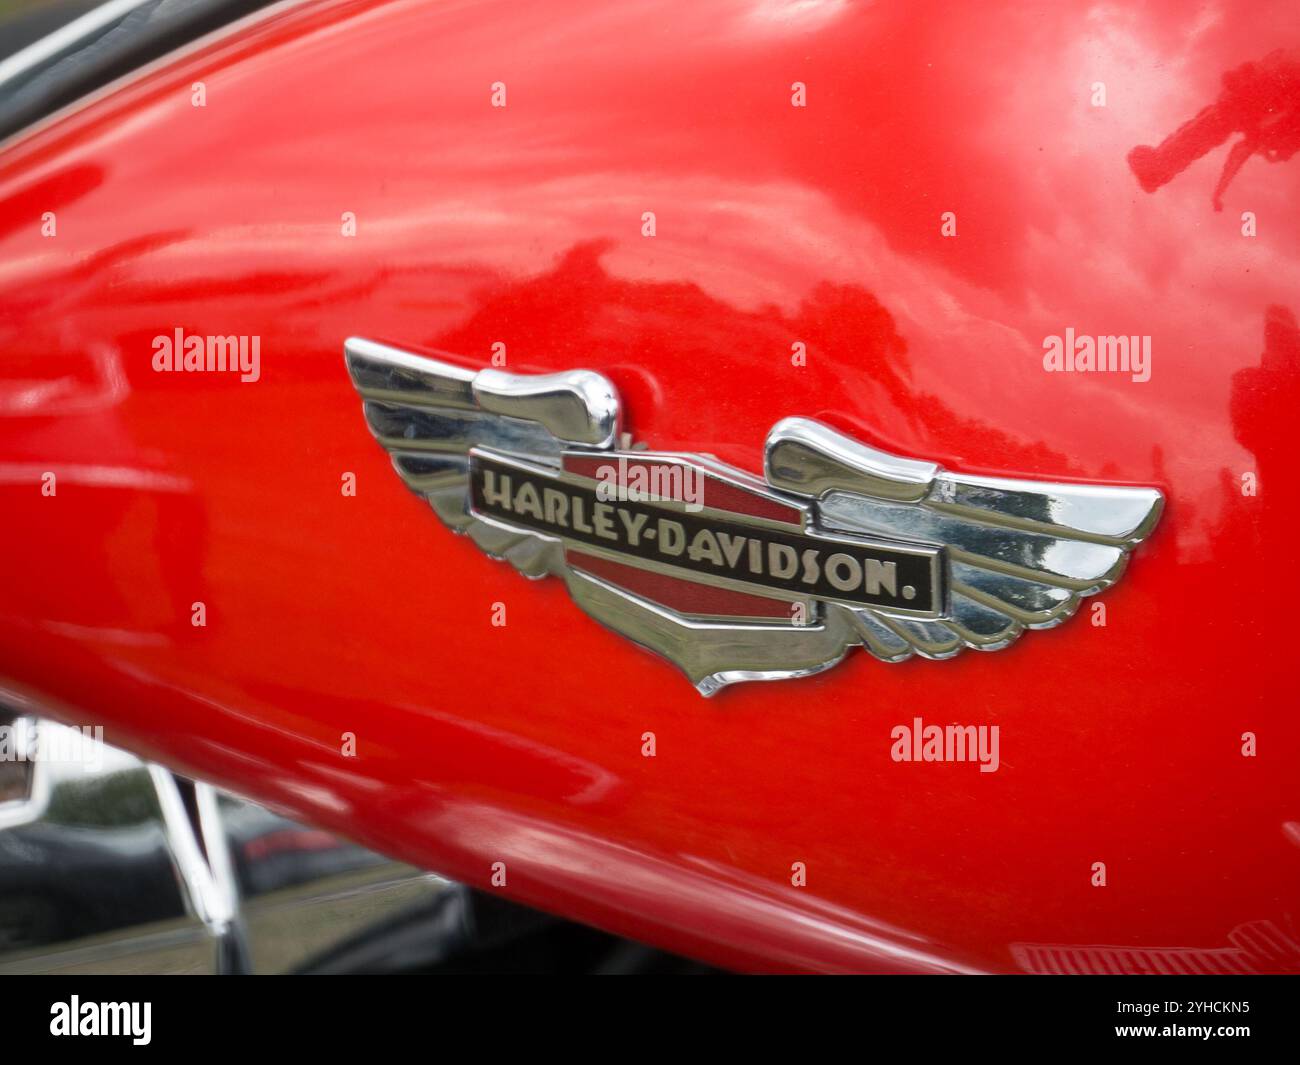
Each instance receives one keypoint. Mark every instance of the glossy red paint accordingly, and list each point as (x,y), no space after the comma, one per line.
(775,224)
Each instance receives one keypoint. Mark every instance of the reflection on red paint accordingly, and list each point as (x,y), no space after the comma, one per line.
(1260,100)
(676,593)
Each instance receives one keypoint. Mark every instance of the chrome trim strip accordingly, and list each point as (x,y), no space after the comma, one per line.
(66,37)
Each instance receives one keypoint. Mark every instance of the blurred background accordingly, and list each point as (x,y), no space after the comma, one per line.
(109,865)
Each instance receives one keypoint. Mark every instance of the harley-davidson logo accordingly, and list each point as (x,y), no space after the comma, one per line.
(731,576)
(751,542)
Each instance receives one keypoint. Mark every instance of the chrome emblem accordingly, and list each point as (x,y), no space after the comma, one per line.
(731,576)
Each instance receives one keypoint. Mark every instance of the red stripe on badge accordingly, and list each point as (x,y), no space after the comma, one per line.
(686,597)
(717,494)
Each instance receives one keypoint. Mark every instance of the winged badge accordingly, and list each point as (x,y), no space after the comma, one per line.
(730,576)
